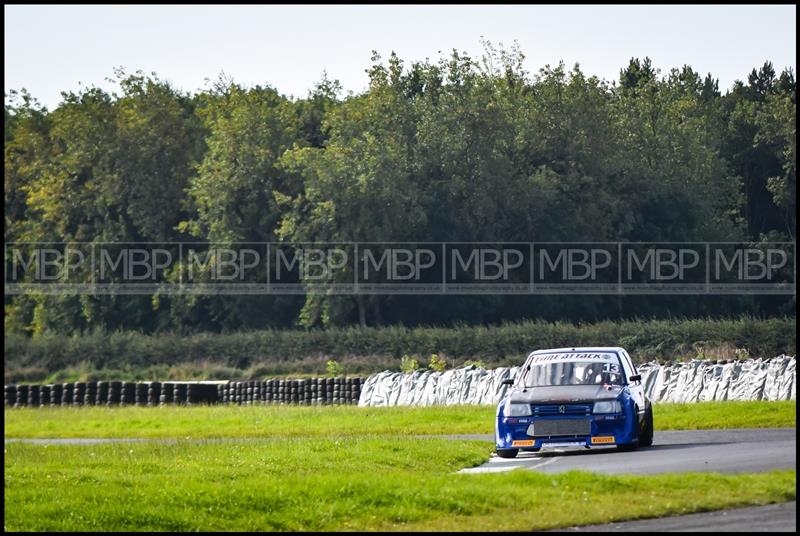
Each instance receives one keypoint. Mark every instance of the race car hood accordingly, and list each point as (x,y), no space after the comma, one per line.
(566,393)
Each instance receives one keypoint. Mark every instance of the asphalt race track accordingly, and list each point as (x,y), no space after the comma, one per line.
(771,518)
(719,451)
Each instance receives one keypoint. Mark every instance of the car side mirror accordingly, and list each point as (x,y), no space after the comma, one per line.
(636,378)
(509,381)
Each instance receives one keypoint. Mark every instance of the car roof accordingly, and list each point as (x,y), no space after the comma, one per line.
(579,349)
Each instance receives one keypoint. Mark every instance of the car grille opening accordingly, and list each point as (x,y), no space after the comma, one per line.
(560,427)
(562,409)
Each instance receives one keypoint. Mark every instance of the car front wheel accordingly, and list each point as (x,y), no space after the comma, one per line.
(507,453)
(646,432)
(633,445)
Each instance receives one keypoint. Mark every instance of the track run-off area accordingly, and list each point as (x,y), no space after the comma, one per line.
(338,468)
(718,451)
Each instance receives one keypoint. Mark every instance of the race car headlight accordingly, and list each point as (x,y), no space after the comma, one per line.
(612,406)
(517,410)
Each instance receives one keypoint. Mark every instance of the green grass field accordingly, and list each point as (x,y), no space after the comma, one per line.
(316,421)
(335,468)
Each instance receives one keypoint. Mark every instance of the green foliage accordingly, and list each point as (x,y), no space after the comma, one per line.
(457,149)
(408,364)
(437,364)
(254,354)
(474,363)
(334,368)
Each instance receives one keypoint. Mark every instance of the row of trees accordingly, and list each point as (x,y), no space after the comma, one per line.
(458,149)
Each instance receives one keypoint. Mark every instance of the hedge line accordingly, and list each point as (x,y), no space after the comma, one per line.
(373,349)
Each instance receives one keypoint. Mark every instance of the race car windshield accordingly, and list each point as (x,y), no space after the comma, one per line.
(573,372)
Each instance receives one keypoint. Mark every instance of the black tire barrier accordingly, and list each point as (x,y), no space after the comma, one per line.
(56,394)
(154,394)
(257,392)
(326,389)
(211,393)
(180,393)
(201,393)
(44,395)
(102,393)
(79,393)
(67,394)
(337,391)
(33,396)
(306,391)
(22,396)
(128,393)
(10,395)
(91,393)
(140,391)
(167,393)
(114,393)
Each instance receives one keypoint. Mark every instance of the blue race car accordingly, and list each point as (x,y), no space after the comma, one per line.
(574,397)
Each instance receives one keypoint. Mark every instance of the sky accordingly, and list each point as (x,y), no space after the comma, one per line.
(49,49)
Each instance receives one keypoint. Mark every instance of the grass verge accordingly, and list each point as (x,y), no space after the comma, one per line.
(386,483)
(295,421)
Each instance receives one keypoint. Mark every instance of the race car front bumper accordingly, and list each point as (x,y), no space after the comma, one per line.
(533,433)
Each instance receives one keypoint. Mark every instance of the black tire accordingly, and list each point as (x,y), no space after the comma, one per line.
(507,453)
(646,432)
(635,444)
